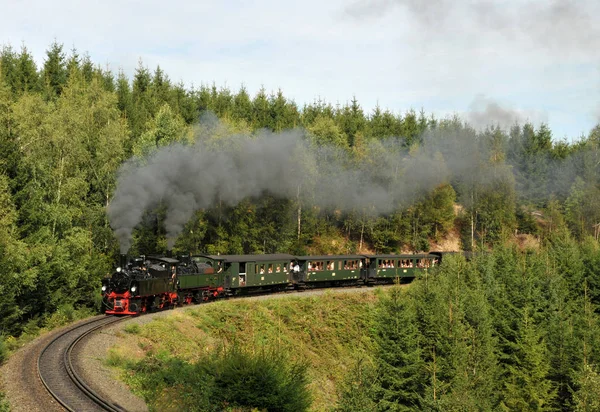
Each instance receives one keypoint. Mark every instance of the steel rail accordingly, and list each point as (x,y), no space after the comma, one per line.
(50,382)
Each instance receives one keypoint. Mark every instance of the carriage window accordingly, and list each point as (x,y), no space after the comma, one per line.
(270,268)
(285,267)
(339,265)
(330,265)
(278,268)
(262,269)
(309,266)
(255,268)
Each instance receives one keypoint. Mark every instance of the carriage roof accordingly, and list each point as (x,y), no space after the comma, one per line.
(249,258)
(331,257)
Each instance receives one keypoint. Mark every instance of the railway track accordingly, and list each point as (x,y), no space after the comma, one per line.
(59,375)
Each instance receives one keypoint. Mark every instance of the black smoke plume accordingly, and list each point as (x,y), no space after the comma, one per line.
(186,178)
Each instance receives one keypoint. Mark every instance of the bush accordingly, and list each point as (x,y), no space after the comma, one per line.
(3,349)
(231,379)
(266,380)
(133,329)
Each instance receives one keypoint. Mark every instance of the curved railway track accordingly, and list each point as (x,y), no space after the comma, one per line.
(59,374)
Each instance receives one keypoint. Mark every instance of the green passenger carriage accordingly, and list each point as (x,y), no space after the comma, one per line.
(243,273)
(315,270)
(383,268)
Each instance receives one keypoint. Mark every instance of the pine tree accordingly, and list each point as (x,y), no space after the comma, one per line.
(242,106)
(28,75)
(260,108)
(400,366)
(54,72)
(527,384)
(8,68)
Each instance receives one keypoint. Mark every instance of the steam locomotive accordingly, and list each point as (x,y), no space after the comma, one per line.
(149,283)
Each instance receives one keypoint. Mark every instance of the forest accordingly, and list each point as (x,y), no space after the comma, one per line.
(68,126)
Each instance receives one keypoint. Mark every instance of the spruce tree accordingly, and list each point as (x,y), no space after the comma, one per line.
(28,76)
(54,72)
(401,370)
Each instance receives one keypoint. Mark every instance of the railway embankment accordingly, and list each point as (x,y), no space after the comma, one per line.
(324,327)
(327,330)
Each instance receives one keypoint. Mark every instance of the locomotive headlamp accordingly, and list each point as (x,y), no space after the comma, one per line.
(133,288)
(103,288)
(118,269)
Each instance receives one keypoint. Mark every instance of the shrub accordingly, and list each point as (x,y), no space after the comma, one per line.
(133,329)
(267,380)
(4,407)
(232,379)
(3,349)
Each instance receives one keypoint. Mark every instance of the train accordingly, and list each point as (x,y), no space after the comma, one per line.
(150,283)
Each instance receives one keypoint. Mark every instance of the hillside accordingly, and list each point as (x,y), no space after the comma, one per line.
(329,332)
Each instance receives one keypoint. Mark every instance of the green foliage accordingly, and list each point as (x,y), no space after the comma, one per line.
(229,379)
(132,328)
(67,126)
(587,397)
(437,211)
(325,334)
(400,362)
(54,74)
(357,390)
(4,407)
(3,350)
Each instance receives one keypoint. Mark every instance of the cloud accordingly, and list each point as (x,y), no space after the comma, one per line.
(557,25)
(436,58)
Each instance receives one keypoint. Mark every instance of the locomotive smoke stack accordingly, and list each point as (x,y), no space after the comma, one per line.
(122,261)
(169,253)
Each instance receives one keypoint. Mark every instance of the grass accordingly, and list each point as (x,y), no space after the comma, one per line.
(64,315)
(328,333)
(4,407)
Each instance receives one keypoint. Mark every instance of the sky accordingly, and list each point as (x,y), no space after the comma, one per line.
(486,61)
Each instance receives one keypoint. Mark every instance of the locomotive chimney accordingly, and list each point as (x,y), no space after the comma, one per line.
(123,261)
(169,253)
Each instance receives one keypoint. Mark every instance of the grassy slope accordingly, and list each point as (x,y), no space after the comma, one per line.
(329,331)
